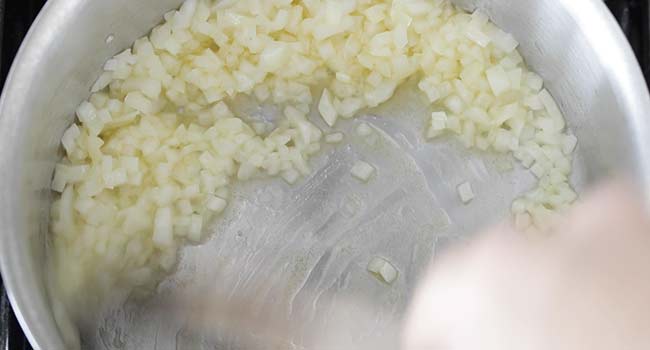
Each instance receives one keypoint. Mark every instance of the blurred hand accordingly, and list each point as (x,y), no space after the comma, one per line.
(586,285)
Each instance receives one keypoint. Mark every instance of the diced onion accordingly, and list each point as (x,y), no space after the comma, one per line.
(196,227)
(438,121)
(364,130)
(162,232)
(290,176)
(336,137)
(383,270)
(362,171)
(465,192)
(327,109)
(216,204)
(550,105)
(569,144)
(498,79)
(478,36)
(139,102)
(69,138)
(504,41)
(156,148)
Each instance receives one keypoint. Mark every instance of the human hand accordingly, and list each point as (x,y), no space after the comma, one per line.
(586,285)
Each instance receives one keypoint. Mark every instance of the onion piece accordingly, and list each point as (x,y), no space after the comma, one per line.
(336,137)
(216,204)
(465,192)
(364,130)
(69,139)
(327,109)
(498,79)
(569,144)
(162,232)
(362,171)
(383,270)
(290,176)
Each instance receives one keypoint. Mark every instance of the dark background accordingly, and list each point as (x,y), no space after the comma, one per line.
(17,15)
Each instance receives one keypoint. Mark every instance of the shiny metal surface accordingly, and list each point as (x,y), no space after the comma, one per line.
(313,239)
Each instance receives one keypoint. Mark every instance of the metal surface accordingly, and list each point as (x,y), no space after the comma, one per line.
(313,239)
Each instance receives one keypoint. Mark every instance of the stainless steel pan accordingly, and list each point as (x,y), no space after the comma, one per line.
(574,44)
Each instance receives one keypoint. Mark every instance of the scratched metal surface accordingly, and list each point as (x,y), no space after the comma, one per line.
(309,243)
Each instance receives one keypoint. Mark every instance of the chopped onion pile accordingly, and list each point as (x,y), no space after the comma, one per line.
(156,147)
